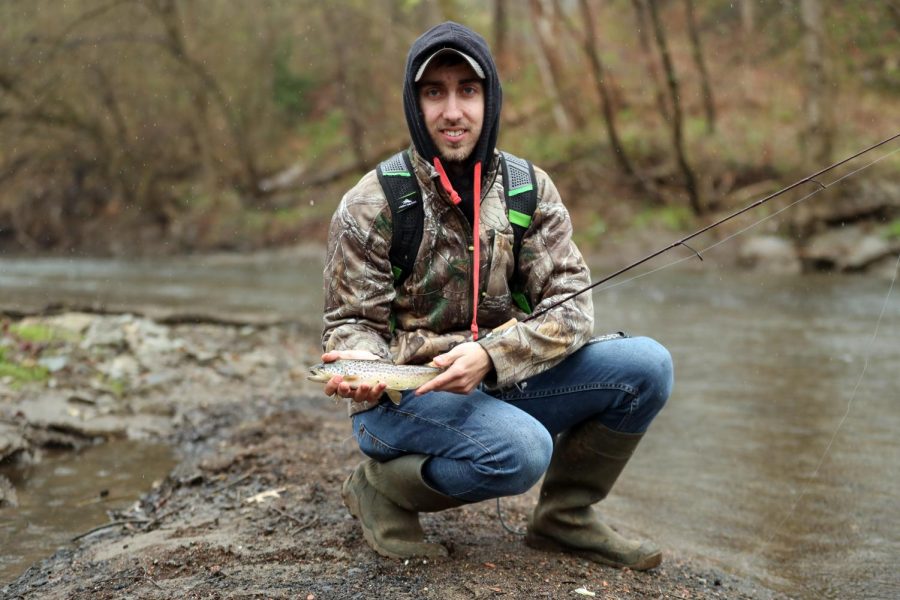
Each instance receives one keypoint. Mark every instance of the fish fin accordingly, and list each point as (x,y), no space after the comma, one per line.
(394,395)
(349,378)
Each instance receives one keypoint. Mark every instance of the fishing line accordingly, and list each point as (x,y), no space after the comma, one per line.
(834,435)
(818,189)
(815,473)
(853,395)
(751,226)
(682,242)
(503,523)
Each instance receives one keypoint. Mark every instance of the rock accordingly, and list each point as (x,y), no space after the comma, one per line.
(769,253)
(849,248)
(887,266)
(105,332)
(121,368)
(54,411)
(151,345)
(860,199)
(54,363)
(8,495)
(201,355)
(869,249)
(11,441)
(77,323)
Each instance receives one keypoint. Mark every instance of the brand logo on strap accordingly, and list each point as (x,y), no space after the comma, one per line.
(408,203)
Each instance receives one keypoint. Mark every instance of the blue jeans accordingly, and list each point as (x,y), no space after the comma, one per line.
(486,445)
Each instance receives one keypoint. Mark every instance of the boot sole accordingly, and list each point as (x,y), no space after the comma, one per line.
(539,542)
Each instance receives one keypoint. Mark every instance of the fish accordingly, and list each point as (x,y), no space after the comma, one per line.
(372,372)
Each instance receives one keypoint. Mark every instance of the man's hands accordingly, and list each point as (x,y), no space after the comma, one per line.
(337,385)
(466,366)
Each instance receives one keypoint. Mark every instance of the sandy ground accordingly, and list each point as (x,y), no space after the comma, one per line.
(253,508)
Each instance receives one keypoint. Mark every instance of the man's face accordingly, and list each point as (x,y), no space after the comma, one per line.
(452,101)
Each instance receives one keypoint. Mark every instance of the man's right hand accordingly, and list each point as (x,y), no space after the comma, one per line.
(336,385)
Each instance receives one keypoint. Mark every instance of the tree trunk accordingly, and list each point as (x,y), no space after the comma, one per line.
(501,34)
(347,98)
(640,13)
(690,181)
(748,17)
(176,45)
(550,61)
(598,73)
(709,104)
(818,135)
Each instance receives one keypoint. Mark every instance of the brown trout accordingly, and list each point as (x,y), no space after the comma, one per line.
(372,372)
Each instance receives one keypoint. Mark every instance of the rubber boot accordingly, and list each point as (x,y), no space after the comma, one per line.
(586,462)
(387,497)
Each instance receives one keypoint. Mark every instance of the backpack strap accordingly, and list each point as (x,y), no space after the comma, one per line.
(398,180)
(520,191)
(401,188)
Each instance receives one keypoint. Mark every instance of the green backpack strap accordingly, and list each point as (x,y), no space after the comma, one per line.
(520,190)
(401,188)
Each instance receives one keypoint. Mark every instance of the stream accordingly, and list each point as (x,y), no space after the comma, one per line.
(777,456)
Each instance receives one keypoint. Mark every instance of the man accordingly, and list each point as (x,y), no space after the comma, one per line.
(486,426)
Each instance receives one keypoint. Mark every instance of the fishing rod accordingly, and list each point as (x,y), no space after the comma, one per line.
(683,241)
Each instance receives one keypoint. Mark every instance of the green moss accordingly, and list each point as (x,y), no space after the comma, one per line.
(23,374)
(675,218)
(42,334)
(116,387)
(892,230)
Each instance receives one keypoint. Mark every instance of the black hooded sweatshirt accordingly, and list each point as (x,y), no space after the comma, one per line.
(461,38)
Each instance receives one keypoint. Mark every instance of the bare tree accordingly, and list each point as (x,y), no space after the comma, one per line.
(748,17)
(690,181)
(347,96)
(207,86)
(640,13)
(818,134)
(709,103)
(501,33)
(551,62)
(598,73)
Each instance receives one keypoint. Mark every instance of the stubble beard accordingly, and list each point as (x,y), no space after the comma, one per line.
(456,153)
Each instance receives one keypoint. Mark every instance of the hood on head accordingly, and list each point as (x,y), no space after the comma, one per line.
(473,47)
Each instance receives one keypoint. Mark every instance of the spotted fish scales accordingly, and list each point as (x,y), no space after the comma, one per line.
(372,372)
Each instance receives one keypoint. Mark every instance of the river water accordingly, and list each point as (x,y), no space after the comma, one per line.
(67,493)
(777,456)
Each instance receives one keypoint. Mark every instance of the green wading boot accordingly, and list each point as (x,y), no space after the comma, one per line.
(586,462)
(387,497)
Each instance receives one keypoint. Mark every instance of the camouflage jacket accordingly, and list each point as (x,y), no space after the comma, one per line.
(432,308)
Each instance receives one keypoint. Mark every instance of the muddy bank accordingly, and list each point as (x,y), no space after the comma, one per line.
(253,509)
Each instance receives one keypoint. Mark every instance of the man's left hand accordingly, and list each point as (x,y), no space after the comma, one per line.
(466,365)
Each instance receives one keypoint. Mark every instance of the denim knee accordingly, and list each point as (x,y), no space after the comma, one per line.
(657,379)
(516,467)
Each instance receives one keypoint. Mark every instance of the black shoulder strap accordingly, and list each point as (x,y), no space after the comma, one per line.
(520,189)
(398,180)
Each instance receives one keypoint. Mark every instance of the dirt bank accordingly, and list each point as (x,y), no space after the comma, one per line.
(253,509)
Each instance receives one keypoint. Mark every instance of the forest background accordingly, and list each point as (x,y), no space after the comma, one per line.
(135,127)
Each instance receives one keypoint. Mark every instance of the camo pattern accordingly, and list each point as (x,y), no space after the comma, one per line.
(432,308)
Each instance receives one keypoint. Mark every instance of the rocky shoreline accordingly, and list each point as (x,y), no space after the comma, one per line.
(252,510)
